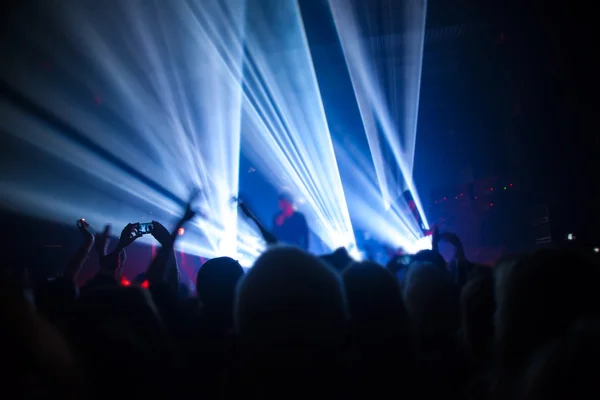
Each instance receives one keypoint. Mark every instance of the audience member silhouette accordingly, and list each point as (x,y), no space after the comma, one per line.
(298,326)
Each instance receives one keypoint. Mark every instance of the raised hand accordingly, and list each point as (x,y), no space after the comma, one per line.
(160,233)
(88,236)
(454,240)
(128,235)
(163,267)
(266,234)
(189,212)
(103,241)
(78,259)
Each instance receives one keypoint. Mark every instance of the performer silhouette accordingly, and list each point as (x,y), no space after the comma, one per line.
(289,225)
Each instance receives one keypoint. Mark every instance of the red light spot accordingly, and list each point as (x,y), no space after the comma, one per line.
(491,204)
(510,185)
(125,282)
(461,194)
(98,100)
(491,189)
(145,284)
(181,231)
(444,199)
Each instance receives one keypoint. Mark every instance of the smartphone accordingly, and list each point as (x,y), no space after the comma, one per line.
(145,228)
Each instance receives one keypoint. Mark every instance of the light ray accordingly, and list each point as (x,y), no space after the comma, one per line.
(286,133)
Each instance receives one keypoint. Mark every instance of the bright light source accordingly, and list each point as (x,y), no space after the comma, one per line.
(395,226)
(596,250)
(357,255)
(423,243)
(181,231)
(570,236)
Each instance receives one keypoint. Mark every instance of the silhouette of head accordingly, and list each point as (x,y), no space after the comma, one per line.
(286,204)
(375,299)
(338,260)
(291,299)
(217,280)
(541,296)
(291,320)
(430,299)
(430,256)
(560,368)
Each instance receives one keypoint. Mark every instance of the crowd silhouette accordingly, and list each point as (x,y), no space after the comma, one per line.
(297,326)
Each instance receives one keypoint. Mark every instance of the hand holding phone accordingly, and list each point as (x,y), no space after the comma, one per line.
(128,235)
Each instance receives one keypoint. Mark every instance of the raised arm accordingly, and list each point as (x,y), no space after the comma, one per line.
(79,258)
(111,264)
(266,234)
(459,265)
(164,270)
(158,271)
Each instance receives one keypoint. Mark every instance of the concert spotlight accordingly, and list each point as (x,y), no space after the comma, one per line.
(285,129)
(395,226)
(245,249)
(382,130)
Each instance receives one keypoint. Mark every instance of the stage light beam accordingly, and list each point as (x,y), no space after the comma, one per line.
(380,127)
(286,132)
